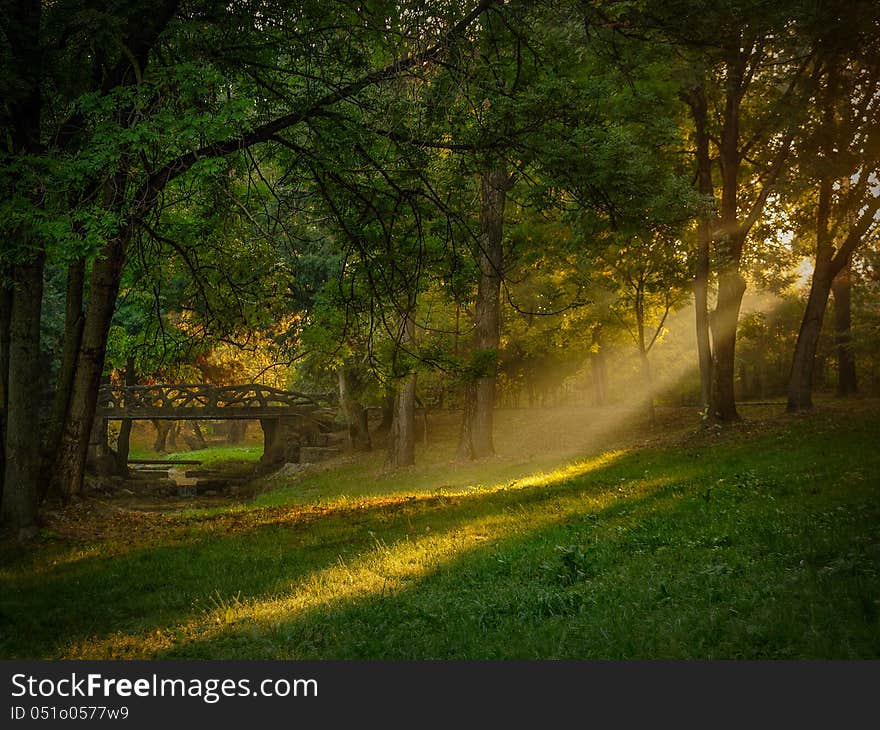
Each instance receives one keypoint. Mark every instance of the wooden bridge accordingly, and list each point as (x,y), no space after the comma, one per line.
(289,420)
(201,401)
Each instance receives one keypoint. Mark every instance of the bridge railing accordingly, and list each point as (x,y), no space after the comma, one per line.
(191,398)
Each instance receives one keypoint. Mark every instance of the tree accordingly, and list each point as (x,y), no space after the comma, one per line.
(649,273)
(475,437)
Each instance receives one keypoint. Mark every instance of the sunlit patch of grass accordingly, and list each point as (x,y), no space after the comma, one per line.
(366,479)
(570,471)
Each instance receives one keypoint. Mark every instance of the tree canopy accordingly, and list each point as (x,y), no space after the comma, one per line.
(456,205)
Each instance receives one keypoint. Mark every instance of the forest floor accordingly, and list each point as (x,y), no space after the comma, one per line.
(590,535)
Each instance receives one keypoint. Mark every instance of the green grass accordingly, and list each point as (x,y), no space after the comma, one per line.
(759,542)
(209,456)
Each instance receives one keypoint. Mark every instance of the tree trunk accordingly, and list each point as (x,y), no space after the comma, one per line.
(5,317)
(22,448)
(73,329)
(643,358)
(163,428)
(388,401)
(123,447)
(800,384)
(123,443)
(701,318)
(355,413)
(172,433)
(198,442)
(100,457)
(699,111)
(200,437)
(237,430)
(402,441)
(403,427)
(71,459)
(478,433)
(598,366)
(650,411)
(21,296)
(475,435)
(729,246)
(464,452)
(841,288)
(731,288)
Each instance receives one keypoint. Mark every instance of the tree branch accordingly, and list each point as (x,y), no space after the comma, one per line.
(180,165)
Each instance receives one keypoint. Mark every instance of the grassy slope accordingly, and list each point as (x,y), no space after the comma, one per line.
(760,542)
